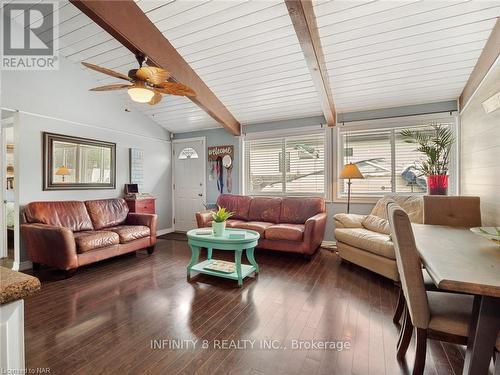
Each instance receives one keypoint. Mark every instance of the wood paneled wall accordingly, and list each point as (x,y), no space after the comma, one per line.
(480,150)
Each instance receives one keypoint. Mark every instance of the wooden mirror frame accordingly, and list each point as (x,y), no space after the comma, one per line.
(48,144)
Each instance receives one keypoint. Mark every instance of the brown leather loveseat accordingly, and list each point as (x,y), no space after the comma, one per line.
(70,234)
(286,224)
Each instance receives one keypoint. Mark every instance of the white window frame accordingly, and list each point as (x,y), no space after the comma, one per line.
(389,124)
(272,134)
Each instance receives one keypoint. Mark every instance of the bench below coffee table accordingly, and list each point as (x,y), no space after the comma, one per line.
(248,243)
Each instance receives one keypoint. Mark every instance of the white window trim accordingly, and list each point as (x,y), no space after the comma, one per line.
(388,124)
(308,130)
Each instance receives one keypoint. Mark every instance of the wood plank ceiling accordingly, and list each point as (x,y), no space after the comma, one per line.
(246,52)
(390,53)
(377,53)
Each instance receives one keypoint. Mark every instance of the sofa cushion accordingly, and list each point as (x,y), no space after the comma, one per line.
(376,224)
(69,214)
(412,204)
(234,223)
(258,226)
(90,240)
(129,233)
(289,232)
(107,212)
(376,243)
(298,210)
(348,220)
(265,209)
(237,204)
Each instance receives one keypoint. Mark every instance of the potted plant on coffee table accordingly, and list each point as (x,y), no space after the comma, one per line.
(436,145)
(219,218)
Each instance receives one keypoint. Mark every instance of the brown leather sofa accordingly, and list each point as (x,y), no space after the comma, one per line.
(285,224)
(70,234)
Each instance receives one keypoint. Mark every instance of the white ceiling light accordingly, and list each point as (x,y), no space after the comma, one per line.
(140,94)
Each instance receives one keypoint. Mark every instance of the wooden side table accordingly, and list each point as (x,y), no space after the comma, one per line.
(141,206)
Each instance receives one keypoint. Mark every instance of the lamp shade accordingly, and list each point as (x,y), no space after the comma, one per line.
(62,171)
(140,94)
(351,171)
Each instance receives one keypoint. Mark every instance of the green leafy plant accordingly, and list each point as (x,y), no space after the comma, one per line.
(435,145)
(221,215)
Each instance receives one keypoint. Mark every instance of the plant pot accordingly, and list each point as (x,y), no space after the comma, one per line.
(438,184)
(218,228)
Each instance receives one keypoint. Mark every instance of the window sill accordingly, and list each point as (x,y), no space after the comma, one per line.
(305,195)
(364,200)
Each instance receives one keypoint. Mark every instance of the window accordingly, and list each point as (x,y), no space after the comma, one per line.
(292,165)
(387,162)
(188,153)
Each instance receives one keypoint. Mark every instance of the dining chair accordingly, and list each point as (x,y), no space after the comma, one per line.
(453,211)
(400,305)
(432,315)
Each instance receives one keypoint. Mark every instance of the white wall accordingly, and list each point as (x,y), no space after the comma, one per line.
(59,102)
(480,150)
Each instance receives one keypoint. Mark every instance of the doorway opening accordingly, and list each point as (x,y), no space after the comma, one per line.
(9,219)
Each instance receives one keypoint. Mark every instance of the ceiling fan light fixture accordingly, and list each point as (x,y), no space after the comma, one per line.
(140,94)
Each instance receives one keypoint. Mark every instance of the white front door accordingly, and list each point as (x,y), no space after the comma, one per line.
(189,182)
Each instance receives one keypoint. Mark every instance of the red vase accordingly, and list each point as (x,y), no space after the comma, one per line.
(438,184)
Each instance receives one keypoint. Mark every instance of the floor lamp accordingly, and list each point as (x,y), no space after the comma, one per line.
(350,172)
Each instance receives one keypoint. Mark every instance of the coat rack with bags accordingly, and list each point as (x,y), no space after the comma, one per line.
(220,159)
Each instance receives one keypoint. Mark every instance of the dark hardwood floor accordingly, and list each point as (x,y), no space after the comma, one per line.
(103,319)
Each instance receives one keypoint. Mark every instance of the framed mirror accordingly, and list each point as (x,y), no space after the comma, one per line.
(73,163)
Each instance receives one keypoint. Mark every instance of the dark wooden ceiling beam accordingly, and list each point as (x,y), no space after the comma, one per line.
(304,21)
(128,24)
(488,56)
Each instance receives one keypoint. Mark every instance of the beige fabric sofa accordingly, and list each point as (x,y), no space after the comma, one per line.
(365,239)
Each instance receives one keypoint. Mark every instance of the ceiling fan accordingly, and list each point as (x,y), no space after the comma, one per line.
(146,84)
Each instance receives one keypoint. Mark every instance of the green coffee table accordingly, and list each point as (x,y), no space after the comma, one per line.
(248,243)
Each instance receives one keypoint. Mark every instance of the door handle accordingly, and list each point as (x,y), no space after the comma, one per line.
(200,195)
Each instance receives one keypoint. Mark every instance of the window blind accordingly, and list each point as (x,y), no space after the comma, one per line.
(292,165)
(387,162)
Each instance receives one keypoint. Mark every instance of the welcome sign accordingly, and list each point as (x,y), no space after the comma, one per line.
(215,152)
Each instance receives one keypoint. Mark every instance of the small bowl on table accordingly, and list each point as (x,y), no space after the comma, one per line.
(491,233)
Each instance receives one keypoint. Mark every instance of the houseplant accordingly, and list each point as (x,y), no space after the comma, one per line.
(219,218)
(436,146)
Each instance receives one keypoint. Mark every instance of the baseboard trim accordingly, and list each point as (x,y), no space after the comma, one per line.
(26,265)
(161,232)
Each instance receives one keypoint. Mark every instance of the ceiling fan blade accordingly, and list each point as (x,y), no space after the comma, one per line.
(107,71)
(117,86)
(155,99)
(152,75)
(175,88)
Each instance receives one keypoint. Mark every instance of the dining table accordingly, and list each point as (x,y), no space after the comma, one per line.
(461,261)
